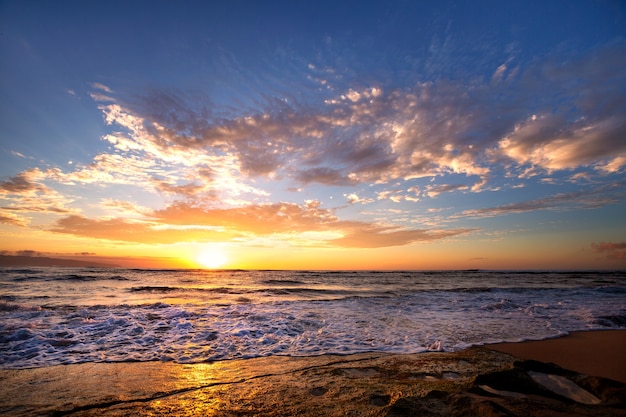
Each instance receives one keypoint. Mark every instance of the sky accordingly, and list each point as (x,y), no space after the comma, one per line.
(315,135)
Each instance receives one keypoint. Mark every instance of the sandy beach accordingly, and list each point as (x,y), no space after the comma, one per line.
(475,382)
(599,353)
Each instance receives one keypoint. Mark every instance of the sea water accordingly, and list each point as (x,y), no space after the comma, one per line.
(51,316)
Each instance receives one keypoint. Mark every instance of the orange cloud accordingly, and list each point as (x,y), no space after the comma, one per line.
(611,250)
(183,222)
(25,193)
(10,218)
(138,232)
(373,236)
(23,183)
(262,219)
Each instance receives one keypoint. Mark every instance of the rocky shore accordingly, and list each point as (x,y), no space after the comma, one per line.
(473,382)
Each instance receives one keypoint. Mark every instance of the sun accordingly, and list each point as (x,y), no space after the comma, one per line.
(212,257)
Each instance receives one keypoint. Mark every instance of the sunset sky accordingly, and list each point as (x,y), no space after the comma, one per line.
(315,134)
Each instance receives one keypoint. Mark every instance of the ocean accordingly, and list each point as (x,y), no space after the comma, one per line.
(51,316)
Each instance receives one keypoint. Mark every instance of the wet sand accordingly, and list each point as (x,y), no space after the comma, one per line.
(478,381)
(599,353)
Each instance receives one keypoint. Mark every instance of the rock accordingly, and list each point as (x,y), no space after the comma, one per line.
(609,391)
(487,383)
(317,391)
(511,380)
(502,393)
(380,399)
(563,386)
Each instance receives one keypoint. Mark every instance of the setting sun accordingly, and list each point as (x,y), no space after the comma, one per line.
(212,257)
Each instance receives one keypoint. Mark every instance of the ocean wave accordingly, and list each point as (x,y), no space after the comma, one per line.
(15,306)
(18,271)
(154,289)
(613,320)
(68,277)
(241,291)
(169,289)
(4,306)
(504,304)
(470,289)
(196,316)
(282,282)
(611,290)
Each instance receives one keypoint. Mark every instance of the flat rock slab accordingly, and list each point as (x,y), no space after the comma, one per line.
(474,382)
(563,386)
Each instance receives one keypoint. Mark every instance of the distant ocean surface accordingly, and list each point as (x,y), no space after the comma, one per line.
(51,316)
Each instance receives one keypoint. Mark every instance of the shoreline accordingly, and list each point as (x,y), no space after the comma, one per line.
(591,352)
(584,351)
(478,381)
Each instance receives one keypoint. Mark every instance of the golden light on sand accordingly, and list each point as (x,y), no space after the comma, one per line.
(212,257)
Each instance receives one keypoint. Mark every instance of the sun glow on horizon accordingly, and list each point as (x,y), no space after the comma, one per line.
(212,257)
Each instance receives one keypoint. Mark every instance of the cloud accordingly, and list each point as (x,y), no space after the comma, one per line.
(326,176)
(101,87)
(397,195)
(13,219)
(124,230)
(612,165)
(372,236)
(611,250)
(594,198)
(376,134)
(263,219)
(435,190)
(187,190)
(28,252)
(26,193)
(353,198)
(547,142)
(587,130)
(214,160)
(22,183)
(125,209)
(182,222)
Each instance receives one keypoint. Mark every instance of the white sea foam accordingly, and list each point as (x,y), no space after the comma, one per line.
(187,317)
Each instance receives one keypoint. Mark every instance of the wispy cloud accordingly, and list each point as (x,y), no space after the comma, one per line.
(23,183)
(18,154)
(611,250)
(13,219)
(594,198)
(435,190)
(25,193)
(371,236)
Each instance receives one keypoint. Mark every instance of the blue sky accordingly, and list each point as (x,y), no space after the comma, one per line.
(461,134)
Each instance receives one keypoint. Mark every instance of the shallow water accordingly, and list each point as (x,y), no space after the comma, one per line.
(70,315)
